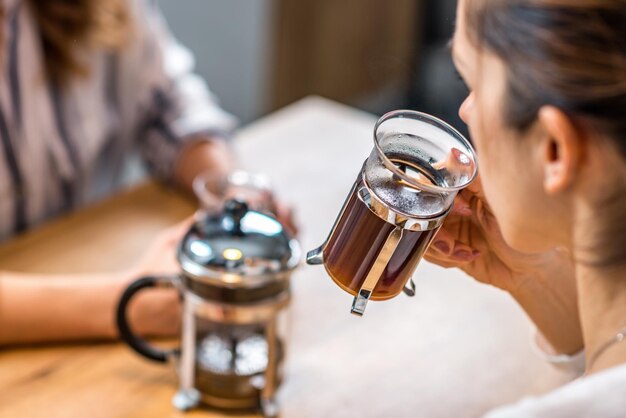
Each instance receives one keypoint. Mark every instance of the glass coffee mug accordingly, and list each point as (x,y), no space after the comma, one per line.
(214,190)
(397,204)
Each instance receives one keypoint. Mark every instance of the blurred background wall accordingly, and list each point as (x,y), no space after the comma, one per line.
(259,55)
(233,44)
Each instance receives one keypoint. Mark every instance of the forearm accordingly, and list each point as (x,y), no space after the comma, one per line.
(550,302)
(38,308)
(199,156)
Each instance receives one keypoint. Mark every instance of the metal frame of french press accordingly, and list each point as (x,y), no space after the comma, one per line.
(265,312)
(401,221)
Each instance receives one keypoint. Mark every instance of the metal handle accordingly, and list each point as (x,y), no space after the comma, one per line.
(135,342)
(316,257)
(410,289)
(268,402)
(373,276)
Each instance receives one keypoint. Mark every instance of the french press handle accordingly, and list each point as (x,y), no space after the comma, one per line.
(135,342)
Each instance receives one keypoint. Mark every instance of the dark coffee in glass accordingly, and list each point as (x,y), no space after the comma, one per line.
(396,206)
(360,236)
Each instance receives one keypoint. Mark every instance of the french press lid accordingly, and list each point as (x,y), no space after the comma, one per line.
(238,248)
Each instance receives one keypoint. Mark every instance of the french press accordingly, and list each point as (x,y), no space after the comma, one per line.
(398,202)
(234,287)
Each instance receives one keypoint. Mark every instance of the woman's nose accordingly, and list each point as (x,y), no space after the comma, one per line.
(465,109)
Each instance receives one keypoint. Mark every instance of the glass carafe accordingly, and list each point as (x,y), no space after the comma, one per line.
(397,204)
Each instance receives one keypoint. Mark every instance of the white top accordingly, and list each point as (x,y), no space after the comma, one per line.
(601,395)
(63,147)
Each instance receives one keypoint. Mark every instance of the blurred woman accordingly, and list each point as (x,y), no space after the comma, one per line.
(83,84)
(547,113)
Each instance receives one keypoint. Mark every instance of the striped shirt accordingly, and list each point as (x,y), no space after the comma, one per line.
(60,149)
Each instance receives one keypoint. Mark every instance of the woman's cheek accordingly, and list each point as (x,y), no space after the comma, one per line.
(499,197)
(485,132)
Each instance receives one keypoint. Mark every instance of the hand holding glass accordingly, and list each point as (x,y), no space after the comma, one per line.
(397,204)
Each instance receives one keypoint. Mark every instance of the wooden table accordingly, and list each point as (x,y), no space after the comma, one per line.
(457,349)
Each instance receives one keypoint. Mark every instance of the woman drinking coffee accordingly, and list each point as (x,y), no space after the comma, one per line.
(547,113)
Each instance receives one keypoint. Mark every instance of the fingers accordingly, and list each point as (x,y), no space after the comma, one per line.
(476,186)
(461,207)
(447,249)
(184,225)
(443,242)
(173,234)
(448,261)
(156,313)
(459,253)
(457,259)
(285,214)
(440,261)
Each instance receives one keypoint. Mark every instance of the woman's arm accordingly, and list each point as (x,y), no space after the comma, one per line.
(48,308)
(36,308)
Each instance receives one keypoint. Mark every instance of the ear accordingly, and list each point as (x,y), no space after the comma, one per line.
(562,149)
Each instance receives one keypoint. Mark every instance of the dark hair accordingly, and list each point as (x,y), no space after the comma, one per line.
(67,26)
(567,53)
